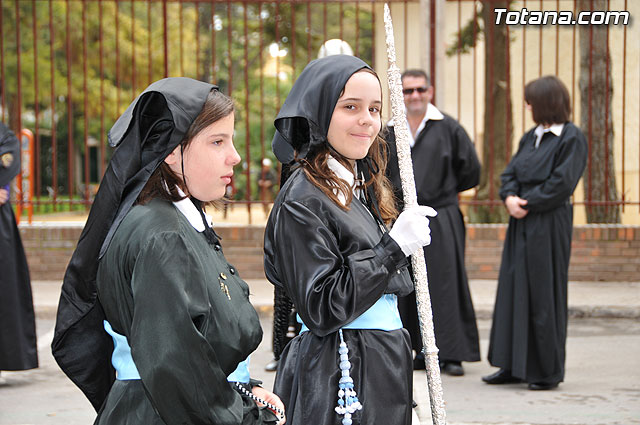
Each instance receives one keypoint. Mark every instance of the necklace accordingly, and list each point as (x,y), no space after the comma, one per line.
(279,412)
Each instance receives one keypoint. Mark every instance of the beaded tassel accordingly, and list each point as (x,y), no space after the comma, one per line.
(348,401)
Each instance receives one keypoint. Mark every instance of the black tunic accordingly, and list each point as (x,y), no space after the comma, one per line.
(18,348)
(529,327)
(445,163)
(335,265)
(160,285)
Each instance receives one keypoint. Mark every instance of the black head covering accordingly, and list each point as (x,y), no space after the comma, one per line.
(151,127)
(303,120)
(9,155)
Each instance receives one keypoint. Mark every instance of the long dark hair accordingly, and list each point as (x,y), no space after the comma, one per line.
(163,183)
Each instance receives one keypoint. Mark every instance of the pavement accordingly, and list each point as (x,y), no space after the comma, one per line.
(602,384)
(586,299)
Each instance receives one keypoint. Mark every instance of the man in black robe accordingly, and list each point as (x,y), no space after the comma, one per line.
(18,348)
(445,163)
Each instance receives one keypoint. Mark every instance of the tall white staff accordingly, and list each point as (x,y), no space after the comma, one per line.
(411,200)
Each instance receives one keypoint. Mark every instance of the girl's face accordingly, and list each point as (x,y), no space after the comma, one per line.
(356,120)
(208,160)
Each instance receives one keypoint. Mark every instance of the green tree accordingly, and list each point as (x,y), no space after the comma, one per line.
(121,45)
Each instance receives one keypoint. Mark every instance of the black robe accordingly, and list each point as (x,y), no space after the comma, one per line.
(335,265)
(529,327)
(445,163)
(160,285)
(18,348)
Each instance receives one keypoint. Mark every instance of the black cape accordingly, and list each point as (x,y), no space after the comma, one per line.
(151,127)
(529,329)
(445,163)
(334,264)
(18,347)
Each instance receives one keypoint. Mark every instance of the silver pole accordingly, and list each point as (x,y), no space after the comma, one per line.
(418,263)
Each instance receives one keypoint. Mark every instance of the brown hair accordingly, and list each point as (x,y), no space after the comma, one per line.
(416,73)
(217,106)
(549,100)
(318,172)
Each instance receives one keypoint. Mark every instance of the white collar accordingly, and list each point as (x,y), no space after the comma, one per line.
(189,210)
(540,130)
(343,174)
(432,113)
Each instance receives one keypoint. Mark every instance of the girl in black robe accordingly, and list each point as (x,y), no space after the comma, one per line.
(18,348)
(148,291)
(327,246)
(529,329)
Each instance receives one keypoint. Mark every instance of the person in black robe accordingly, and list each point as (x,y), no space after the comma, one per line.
(529,329)
(327,245)
(18,347)
(445,163)
(148,291)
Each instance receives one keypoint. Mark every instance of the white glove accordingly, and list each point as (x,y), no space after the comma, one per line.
(411,229)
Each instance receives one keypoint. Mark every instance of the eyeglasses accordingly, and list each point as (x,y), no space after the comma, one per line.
(420,90)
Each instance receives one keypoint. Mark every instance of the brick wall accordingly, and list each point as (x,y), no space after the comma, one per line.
(607,253)
(598,252)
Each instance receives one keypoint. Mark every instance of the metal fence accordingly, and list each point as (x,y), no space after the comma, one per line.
(68,68)
(482,84)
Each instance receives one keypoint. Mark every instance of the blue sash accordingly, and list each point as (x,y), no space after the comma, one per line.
(383,315)
(126,369)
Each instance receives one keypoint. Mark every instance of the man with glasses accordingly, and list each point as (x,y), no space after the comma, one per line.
(445,163)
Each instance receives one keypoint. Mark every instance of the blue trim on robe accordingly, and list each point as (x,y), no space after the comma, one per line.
(126,369)
(241,374)
(383,315)
(121,359)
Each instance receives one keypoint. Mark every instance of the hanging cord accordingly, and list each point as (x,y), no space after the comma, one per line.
(212,237)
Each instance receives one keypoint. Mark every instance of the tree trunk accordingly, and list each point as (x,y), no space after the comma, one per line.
(498,122)
(596,90)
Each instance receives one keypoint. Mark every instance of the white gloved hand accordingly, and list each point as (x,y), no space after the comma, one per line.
(411,229)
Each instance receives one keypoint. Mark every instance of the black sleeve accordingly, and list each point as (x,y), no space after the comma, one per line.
(465,160)
(509,182)
(9,155)
(568,167)
(329,290)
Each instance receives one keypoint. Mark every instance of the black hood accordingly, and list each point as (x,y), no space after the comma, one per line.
(303,120)
(151,127)
(9,155)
